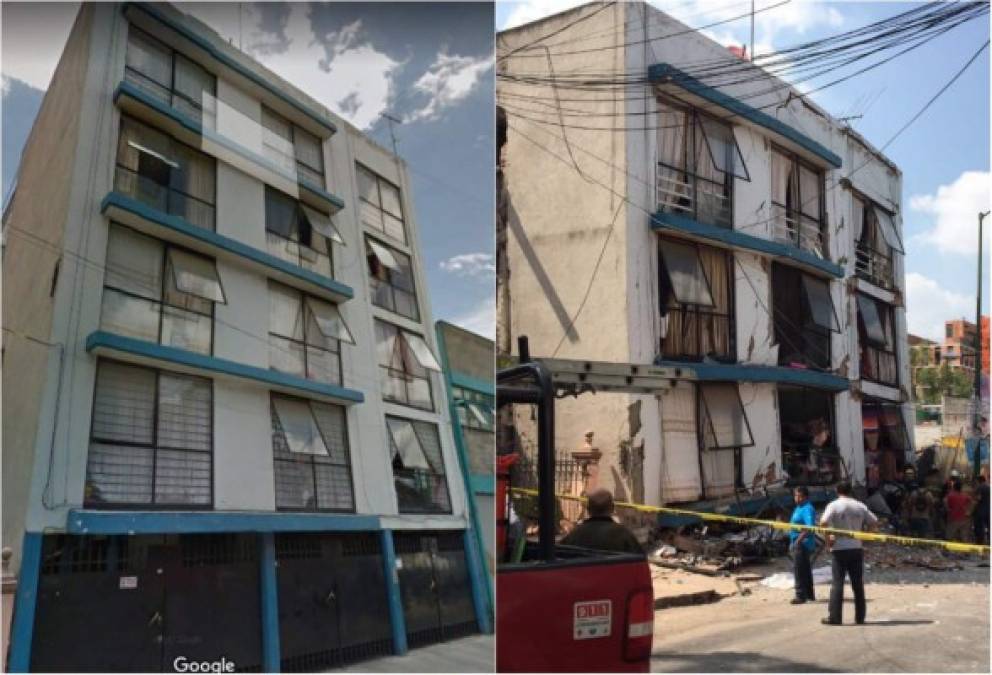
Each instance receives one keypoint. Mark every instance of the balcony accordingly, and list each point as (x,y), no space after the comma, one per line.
(874,267)
(695,197)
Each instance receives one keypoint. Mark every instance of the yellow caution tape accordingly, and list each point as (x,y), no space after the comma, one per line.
(953,546)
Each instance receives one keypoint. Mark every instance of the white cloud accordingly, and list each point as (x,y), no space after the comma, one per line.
(954,209)
(33,37)
(470,265)
(928,306)
(481,320)
(448,80)
(5,85)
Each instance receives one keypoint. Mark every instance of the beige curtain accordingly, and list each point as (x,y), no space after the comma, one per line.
(716,328)
(673,189)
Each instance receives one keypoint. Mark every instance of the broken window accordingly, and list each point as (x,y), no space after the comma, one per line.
(803,317)
(391,278)
(696,301)
(418,466)
(298,233)
(797,203)
(809,451)
(405,362)
(698,160)
(876,340)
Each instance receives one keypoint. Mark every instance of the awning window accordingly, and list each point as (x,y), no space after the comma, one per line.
(723,148)
(476,411)
(407,445)
(421,351)
(299,427)
(151,153)
(322,224)
(728,424)
(329,321)
(889,231)
(196,275)
(872,320)
(820,304)
(685,273)
(384,255)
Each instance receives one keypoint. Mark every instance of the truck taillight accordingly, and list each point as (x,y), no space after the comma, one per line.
(639,628)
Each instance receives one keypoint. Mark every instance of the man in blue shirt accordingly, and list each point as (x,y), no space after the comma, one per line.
(803,543)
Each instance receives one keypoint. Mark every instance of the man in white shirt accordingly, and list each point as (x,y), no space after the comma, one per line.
(845,513)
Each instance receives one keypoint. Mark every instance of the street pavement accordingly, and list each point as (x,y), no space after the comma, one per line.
(476,654)
(918,621)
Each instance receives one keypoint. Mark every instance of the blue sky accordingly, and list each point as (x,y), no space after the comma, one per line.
(428,64)
(944,156)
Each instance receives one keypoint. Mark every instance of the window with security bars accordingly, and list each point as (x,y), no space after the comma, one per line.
(158,292)
(151,439)
(803,316)
(391,279)
(170,77)
(698,160)
(798,206)
(305,335)
(418,466)
(876,243)
(311,455)
(380,204)
(405,365)
(877,341)
(293,148)
(164,174)
(696,285)
(298,233)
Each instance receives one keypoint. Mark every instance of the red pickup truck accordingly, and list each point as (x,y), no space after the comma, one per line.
(561,608)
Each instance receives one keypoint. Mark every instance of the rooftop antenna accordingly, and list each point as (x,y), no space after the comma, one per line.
(392,130)
(752,30)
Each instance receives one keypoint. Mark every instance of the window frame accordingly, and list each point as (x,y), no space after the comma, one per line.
(463,398)
(833,449)
(308,459)
(301,176)
(161,302)
(793,213)
(304,343)
(404,376)
(434,475)
(804,325)
(379,180)
(874,255)
(303,229)
(377,282)
(153,447)
(872,352)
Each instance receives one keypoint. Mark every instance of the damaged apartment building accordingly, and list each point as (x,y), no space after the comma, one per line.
(666,202)
(226,433)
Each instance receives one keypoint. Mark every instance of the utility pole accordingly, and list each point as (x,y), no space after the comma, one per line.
(977,419)
(752,30)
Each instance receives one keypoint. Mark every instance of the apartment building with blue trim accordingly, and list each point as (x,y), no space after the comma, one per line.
(667,202)
(226,433)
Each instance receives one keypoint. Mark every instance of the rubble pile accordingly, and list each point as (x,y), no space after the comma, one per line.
(707,550)
(894,556)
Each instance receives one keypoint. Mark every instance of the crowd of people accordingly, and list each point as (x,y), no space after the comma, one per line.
(932,508)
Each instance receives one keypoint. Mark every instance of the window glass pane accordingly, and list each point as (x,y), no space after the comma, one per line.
(874,329)
(154,168)
(280,214)
(124,403)
(858,216)
(334,489)
(722,147)
(285,312)
(323,365)
(728,422)
(277,124)
(197,275)
(136,139)
(182,477)
(322,224)
(184,412)
(781,175)
(477,414)
(195,175)
(406,444)
(402,276)
(299,427)
(118,474)
(134,263)
(127,315)
(294,485)
(277,139)
(286,356)
(176,298)
(149,58)
(387,351)
(393,227)
(186,330)
(390,199)
(430,441)
(821,306)
(421,351)
(888,227)
(192,80)
(384,255)
(331,421)
(672,133)
(328,319)
(406,305)
(367,186)
(419,392)
(809,191)
(308,150)
(685,273)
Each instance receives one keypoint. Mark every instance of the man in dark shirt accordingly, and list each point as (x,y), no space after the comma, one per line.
(981,514)
(599,531)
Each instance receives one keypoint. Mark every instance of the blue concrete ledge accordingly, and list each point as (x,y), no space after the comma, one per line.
(91,521)
(661,73)
(661,221)
(482,484)
(731,372)
(216,53)
(212,364)
(219,241)
(128,90)
(474,383)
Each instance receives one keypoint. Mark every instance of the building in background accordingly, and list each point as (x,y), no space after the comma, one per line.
(467,360)
(720,223)
(229,436)
(958,351)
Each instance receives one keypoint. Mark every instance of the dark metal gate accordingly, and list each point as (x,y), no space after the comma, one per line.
(333,603)
(135,604)
(435,587)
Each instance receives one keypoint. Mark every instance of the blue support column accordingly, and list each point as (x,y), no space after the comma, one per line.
(477,579)
(25,602)
(396,618)
(270,604)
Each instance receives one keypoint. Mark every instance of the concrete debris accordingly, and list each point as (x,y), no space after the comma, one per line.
(664,551)
(894,556)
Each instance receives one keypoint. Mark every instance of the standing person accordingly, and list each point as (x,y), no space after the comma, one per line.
(981,513)
(956,504)
(803,543)
(918,509)
(599,531)
(845,513)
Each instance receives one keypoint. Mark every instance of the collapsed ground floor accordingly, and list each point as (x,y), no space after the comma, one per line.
(293,601)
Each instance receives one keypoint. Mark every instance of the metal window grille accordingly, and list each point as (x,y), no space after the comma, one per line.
(151,441)
(201,550)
